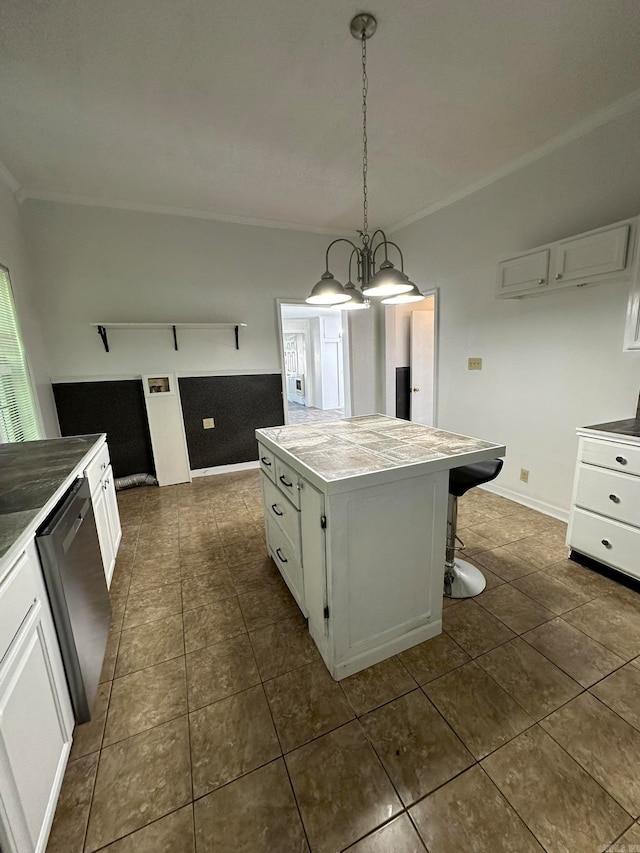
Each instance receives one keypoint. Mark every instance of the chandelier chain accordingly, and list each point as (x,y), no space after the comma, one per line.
(365,163)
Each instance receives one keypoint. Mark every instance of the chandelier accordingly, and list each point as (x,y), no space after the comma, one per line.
(384,281)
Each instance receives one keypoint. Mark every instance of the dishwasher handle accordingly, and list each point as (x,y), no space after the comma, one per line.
(77,524)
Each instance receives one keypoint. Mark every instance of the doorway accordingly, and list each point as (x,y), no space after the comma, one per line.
(314,350)
(411,360)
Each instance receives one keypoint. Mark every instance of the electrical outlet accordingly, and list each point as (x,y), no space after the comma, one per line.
(208,423)
(524,475)
(475,364)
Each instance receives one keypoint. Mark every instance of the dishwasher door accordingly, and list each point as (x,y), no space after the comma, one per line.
(77,589)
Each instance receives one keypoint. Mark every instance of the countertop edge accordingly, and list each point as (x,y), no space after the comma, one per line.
(8,558)
(587,432)
(401,470)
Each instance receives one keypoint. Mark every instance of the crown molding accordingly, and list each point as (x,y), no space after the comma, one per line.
(88,201)
(619,108)
(9,179)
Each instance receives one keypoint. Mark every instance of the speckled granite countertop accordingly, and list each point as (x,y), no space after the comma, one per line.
(628,429)
(338,450)
(33,477)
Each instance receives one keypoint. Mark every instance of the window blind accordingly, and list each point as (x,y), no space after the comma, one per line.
(18,421)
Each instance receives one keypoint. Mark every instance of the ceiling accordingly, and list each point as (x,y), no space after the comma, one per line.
(250,109)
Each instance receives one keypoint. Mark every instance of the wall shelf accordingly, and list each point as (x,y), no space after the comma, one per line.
(102,329)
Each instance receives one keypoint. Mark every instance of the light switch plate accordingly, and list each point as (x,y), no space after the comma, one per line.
(208,423)
(475,364)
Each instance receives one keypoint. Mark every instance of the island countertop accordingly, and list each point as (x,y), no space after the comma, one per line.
(331,452)
(625,430)
(34,475)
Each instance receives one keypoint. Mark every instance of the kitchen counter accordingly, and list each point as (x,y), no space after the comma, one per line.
(333,452)
(356,521)
(34,475)
(629,429)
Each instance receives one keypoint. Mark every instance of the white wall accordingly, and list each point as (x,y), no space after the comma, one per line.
(14,257)
(96,264)
(550,363)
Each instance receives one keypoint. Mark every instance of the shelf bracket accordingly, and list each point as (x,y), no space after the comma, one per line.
(175,339)
(102,331)
(237,337)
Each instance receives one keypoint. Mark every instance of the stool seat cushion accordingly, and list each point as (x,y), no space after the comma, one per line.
(467,476)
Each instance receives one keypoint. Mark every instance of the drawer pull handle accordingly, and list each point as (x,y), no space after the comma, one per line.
(285,482)
(614,498)
(606,543)
(265,461)
(275,509)
(281,557)
(621,460)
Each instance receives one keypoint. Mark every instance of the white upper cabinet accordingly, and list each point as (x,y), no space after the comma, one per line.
(523,274)
(598,253)
(604,254)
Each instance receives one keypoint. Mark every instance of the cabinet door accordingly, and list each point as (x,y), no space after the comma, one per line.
(632,329)
(112,510)
(35,732)
(524,274)
(600,253)
(104,531)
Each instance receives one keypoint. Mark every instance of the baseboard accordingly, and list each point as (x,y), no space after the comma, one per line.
(532,503)
(225,469)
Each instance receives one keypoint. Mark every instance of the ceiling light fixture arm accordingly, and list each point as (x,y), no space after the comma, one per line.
(389,243)
(340,240)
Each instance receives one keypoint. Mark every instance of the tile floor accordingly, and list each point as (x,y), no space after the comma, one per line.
(298,414)
(218,729)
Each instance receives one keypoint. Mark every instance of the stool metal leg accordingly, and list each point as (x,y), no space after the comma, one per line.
(461,578)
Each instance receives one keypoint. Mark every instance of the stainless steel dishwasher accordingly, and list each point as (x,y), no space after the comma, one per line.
(77,589)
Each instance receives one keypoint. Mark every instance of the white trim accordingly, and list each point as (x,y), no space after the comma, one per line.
(616,110)
(10,180)
(532,503)
(118,377)
(225,469)
(89,201)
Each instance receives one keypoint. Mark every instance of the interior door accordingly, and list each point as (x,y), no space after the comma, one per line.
(422,353)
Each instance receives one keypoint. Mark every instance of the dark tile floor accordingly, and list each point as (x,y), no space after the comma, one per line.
(218,729)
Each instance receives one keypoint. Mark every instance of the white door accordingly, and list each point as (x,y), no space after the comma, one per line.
(422,353)
(101,514)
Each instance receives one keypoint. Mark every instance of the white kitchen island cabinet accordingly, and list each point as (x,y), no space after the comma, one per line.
(355,519)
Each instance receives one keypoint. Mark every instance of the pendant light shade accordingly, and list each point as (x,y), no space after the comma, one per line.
(388,281)
(328,291)
(412,295)
(357,301)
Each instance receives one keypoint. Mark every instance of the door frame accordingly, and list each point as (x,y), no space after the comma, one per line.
(389,369)
(346,356)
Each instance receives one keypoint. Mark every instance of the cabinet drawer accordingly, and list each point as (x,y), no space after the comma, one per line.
(609,493)
(96,468)
(611,454)
(267,462)
(282,513)
(18,592)
(285,559)
(288,482)
(608,541)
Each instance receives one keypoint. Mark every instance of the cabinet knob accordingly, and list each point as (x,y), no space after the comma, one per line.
(614,498)
(621,460)
(541,280)
(558,276)
(415,389)
(606,543)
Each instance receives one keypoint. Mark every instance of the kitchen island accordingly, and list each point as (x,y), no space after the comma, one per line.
(356,519)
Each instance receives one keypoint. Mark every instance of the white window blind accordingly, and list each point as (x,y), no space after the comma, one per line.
(18,421)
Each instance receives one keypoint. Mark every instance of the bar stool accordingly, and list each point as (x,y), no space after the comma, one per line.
(461,579)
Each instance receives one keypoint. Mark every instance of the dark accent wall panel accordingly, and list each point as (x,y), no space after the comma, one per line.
(403,393)
(239,405)
(115,407)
